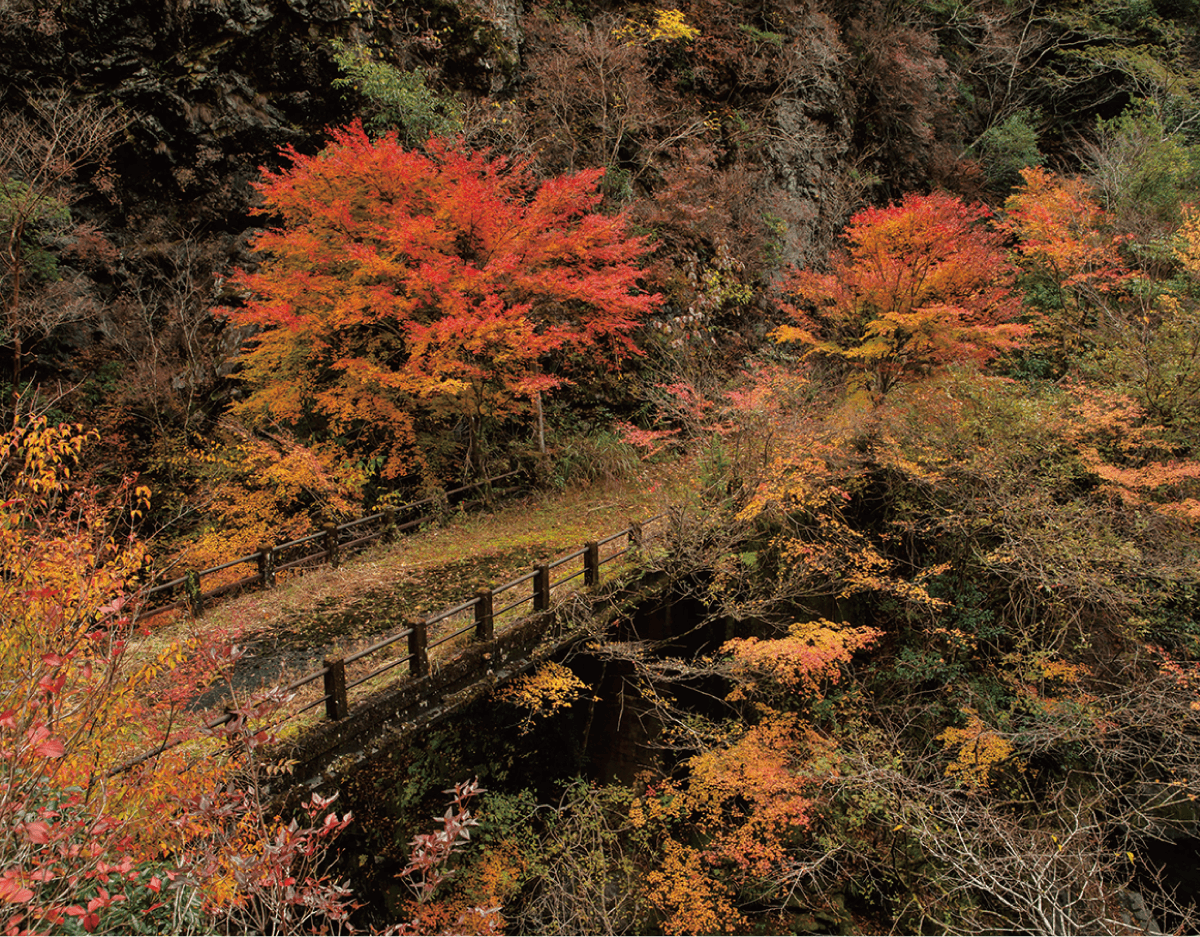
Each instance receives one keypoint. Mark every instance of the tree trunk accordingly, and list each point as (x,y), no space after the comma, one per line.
(541,424)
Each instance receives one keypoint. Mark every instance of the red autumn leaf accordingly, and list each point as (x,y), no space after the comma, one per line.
(11,888)
(52,684)
(38,832)
(50,748)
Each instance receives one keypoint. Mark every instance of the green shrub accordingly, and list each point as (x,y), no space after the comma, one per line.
(395,99)
(1007,148)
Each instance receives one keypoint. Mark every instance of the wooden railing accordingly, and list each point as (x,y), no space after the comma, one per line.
(479,617)
(327,546)
(481,614)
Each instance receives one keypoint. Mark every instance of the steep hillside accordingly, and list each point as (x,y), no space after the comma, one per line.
(915,286)
(739,138)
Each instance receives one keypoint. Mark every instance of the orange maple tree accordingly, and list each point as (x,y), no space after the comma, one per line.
(178,842)
(1069,252)
(751,799)
(920,284)
(1063,233)
(404,286)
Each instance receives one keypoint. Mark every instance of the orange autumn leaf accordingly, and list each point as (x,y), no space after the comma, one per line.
(1063,232)
(689,898)
(1069,254)
(809,655)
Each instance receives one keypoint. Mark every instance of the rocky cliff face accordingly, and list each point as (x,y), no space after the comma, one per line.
(203,94)
(211,88)
(809,147)
(207,91)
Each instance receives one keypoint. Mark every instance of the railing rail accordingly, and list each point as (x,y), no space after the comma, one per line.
(484,611)
(482,622)
(336,541)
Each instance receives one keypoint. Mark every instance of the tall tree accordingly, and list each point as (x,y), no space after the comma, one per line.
(1070,258)
(403,286)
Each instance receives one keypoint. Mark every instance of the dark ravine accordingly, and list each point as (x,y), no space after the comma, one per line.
(406,743)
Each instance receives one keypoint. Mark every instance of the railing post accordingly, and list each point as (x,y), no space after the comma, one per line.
(331,543)
(266,565)
(337,705)
(591,563)
(418,648)
(541,587)
(194,593)
(485,623)
(636,538)
(389,524)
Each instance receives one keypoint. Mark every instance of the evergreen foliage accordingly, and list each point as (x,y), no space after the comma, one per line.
(396,100)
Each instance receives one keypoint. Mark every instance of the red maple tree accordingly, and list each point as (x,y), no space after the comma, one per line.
(920,284)
(403,286)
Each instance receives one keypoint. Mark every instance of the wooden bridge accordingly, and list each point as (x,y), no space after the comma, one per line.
(458,655)
(446,660)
